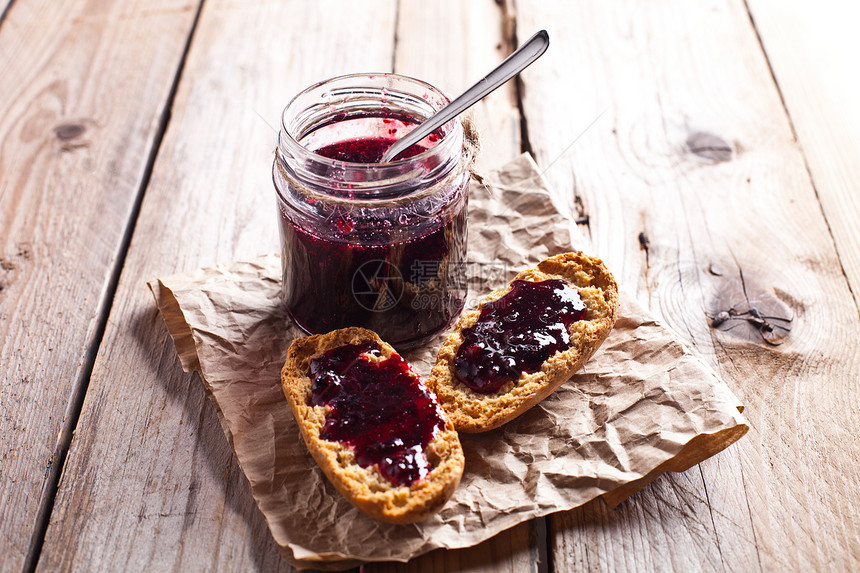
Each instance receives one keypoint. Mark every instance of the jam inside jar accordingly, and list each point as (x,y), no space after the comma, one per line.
(364,243)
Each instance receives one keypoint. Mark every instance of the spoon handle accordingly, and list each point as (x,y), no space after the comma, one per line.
(530,51)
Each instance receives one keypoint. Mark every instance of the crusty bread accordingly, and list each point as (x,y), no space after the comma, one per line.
(471,411)
(367,488)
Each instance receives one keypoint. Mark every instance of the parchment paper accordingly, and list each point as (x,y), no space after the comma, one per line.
(644,404)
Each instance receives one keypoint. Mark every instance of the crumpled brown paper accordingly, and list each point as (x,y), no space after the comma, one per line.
(644,404)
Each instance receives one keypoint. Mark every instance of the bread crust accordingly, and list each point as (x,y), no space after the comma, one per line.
(473,412)
(366,488)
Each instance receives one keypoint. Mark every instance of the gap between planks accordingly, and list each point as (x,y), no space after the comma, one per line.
(5,10)
(543,554)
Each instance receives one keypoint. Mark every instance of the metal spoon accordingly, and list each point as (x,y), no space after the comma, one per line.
(514,64)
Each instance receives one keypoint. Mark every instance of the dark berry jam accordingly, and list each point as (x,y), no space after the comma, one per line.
(517,333)
(397,270)
(379,407)
(368,150)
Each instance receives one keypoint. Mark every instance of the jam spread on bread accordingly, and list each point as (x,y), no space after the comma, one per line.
(379,407)
(517,333)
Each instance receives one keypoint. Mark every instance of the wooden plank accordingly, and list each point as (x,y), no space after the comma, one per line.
(451,45)
(812,50)
(78,118)
(699,199)
(454,44)
(646,534)
(150,482)
(511,551)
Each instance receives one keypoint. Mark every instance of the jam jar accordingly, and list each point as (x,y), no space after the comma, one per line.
(365,243)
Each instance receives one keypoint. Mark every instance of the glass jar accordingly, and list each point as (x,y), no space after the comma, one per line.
(377,245)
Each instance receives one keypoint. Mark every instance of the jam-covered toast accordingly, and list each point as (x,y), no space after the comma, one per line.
(524,341)
(372,426)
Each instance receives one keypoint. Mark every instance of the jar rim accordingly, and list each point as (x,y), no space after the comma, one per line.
(451,129)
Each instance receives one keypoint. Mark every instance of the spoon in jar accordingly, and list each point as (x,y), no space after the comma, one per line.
(530,51)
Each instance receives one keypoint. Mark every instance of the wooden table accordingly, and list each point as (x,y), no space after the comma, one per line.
(709,149)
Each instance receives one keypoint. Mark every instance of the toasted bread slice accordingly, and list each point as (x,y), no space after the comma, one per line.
(367,487)
(472,411)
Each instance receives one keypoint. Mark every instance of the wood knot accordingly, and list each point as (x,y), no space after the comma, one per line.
(645,245)
(582,217)
(69,131)
(24,251)
(747,311)
(70,135)
(709,146)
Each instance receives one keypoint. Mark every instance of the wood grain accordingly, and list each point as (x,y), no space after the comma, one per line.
(516,550)
(78,118)
(812,50)
(150,482)
(695,187)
